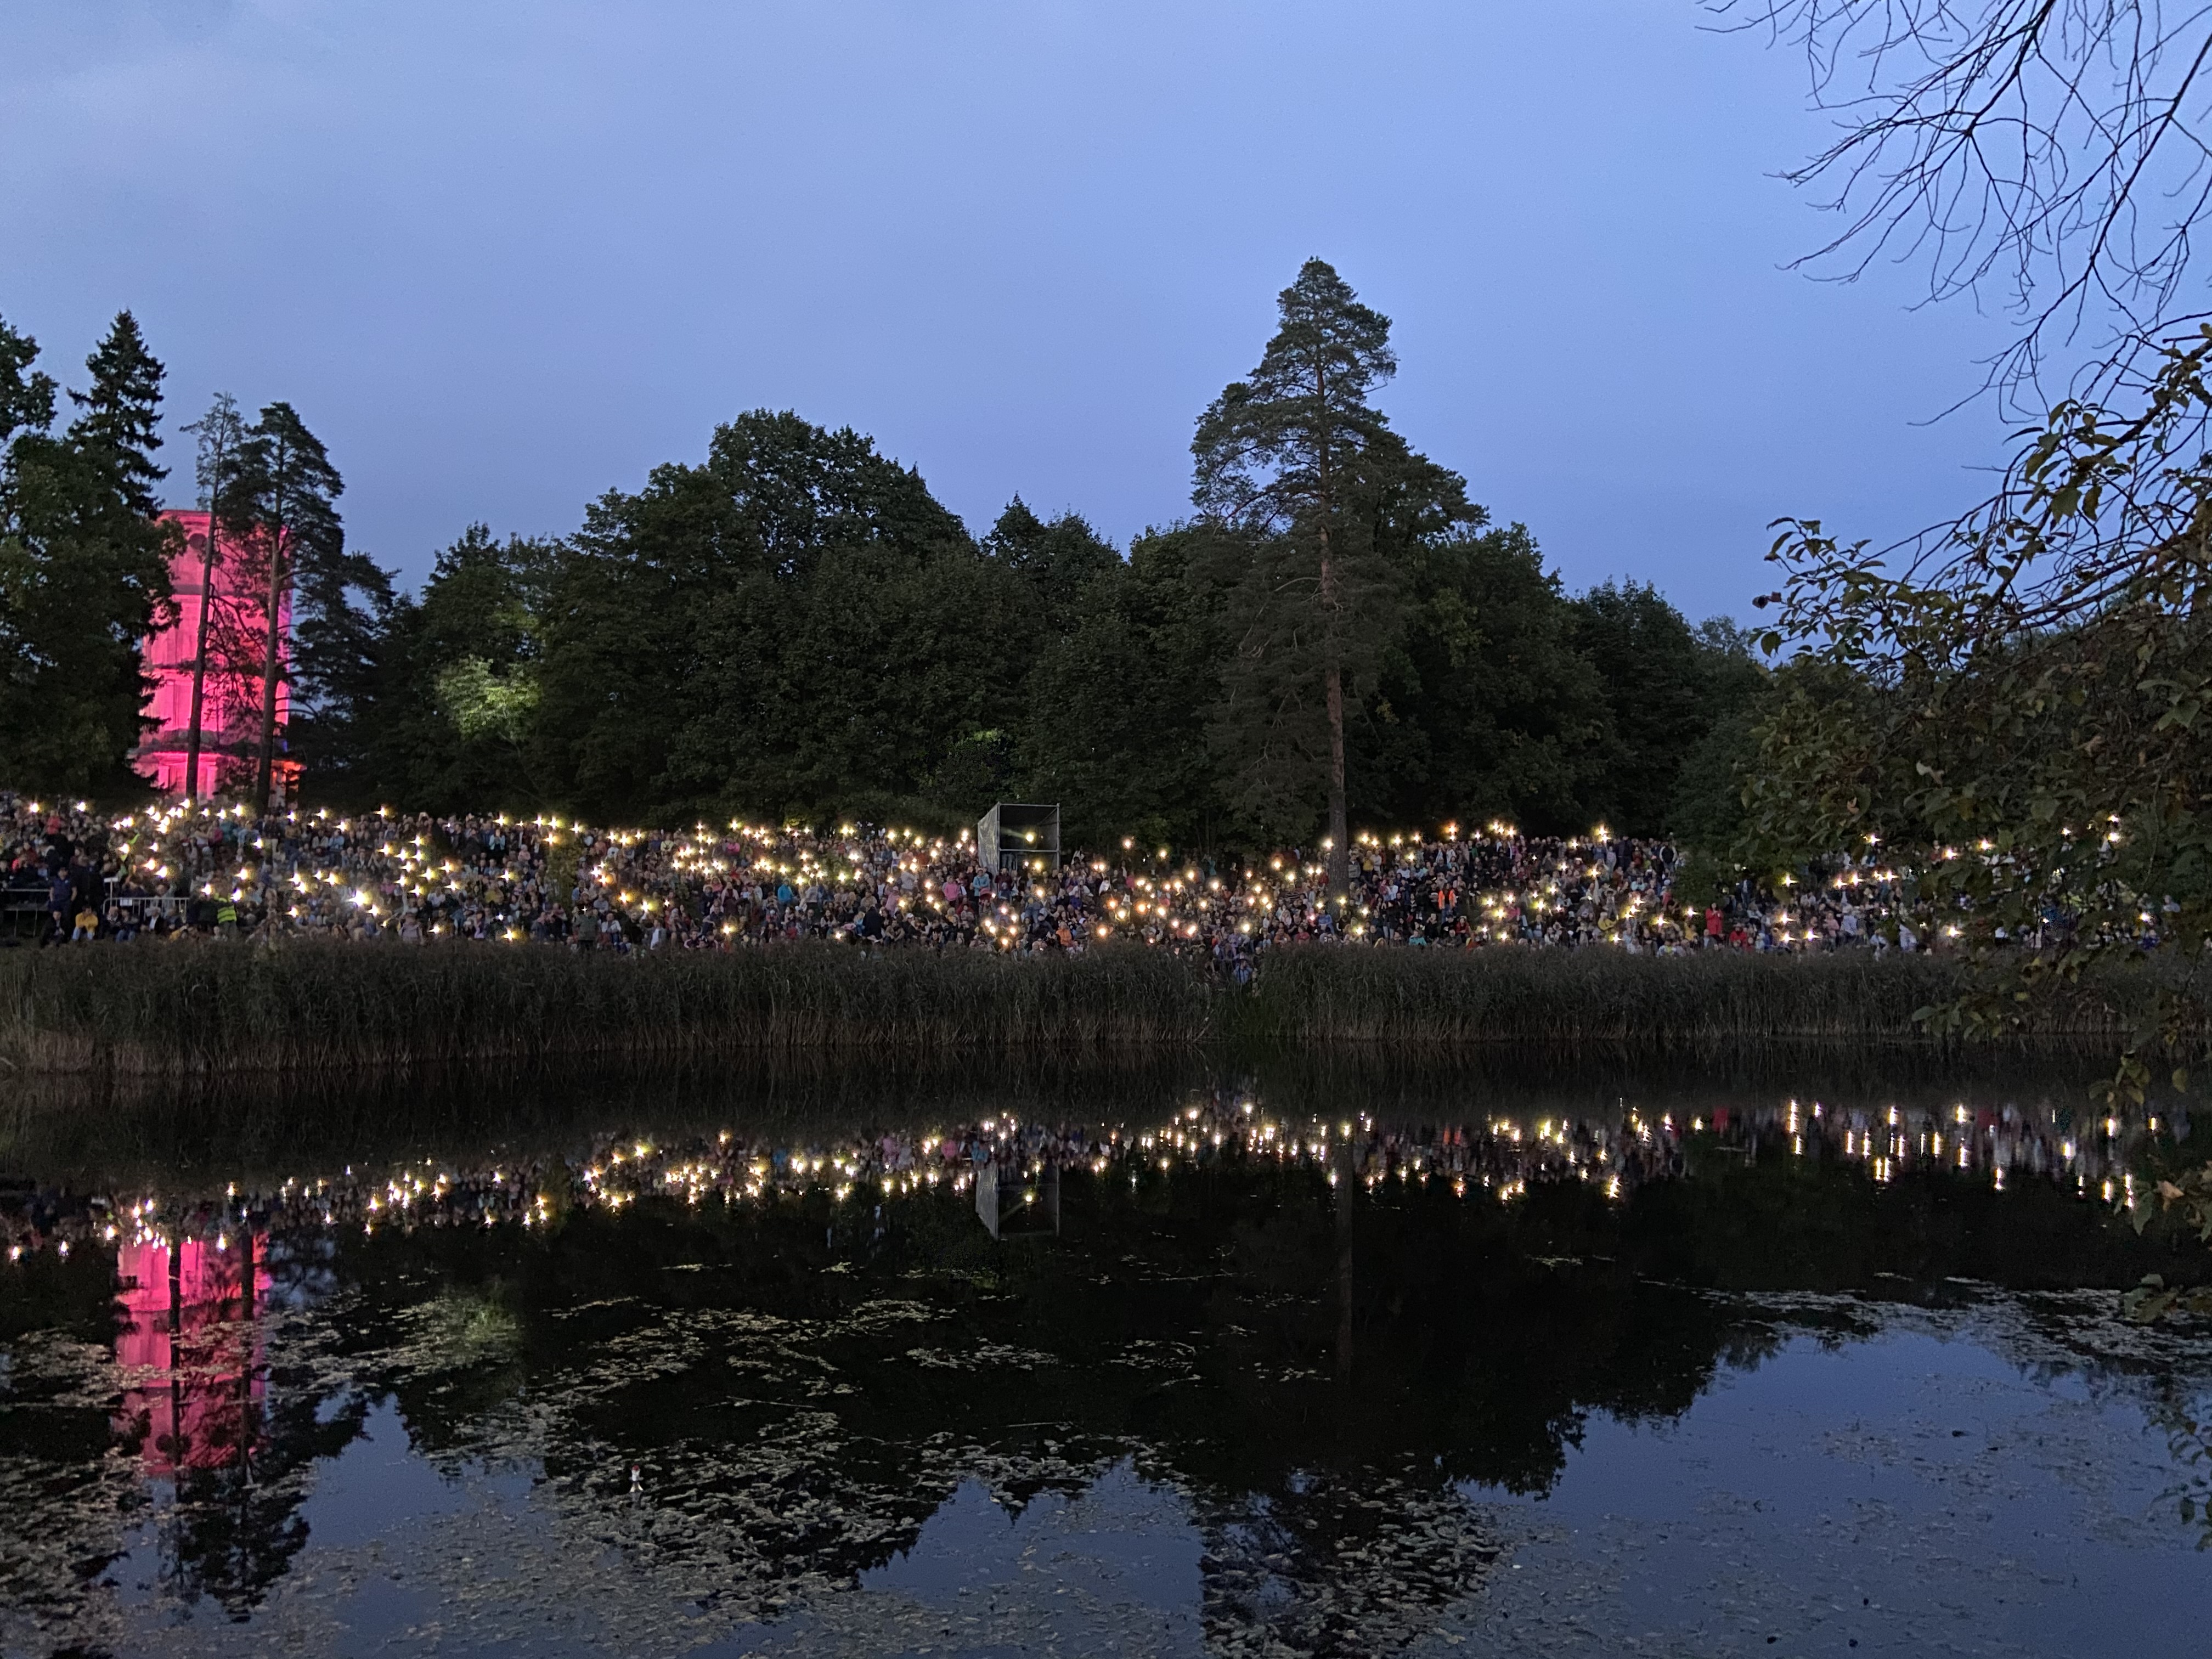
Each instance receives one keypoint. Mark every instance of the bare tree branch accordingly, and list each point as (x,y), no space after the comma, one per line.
(2049,157)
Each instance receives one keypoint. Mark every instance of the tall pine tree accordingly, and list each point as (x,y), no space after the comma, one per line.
(1302,472)
(282,497)
(221,432)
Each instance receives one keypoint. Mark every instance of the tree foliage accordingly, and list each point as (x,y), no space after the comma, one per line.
(83,566)
(279,497)
(793,619)
(1489,711)
(2013,703)
(1115,722)
(1666,684)
(793,627)
(1311,495)
(2023,715)
(710,647)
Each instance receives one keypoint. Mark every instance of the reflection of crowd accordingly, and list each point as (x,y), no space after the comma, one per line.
(1504,1156)
(420,878)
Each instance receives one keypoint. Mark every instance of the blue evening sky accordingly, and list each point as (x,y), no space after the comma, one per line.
(504,257)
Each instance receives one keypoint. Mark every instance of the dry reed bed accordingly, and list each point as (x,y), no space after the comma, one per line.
(193,1007)
(1672,1005)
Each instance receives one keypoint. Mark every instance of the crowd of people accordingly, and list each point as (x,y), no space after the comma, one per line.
(75,875)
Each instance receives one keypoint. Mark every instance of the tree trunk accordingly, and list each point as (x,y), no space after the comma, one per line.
(1332,664)
(247,1418)
(199,664)
(1347,1187)
(266,768)
(1331,671)
(1339,870)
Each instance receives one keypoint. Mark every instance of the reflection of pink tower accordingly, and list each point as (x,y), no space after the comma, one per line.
(222,605)
(189,1338)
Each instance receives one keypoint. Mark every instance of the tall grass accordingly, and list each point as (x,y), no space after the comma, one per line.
(1700,1003)
(205,1006)
(192,1007)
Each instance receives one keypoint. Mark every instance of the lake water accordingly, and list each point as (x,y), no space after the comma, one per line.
(1276,1360)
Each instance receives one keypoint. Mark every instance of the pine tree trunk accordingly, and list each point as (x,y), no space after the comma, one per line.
(200,666)
(1333,690)
(1339,862)
(1347,1188)
(266,768)
(1332,667)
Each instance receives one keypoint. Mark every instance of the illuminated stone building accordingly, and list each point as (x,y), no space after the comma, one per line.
(220,606)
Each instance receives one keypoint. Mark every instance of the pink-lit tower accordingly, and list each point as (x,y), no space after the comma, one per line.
(221,607)
(189,1343)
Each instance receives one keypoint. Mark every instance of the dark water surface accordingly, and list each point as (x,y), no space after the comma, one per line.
(1264,1358)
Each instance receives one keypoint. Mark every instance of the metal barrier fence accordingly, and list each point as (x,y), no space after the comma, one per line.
(23,908)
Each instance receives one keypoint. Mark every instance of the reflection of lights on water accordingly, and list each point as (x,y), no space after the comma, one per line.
(1505,1158)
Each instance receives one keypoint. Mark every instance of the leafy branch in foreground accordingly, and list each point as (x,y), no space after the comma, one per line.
(2019,714)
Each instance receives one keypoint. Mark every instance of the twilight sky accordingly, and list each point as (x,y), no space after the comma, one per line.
(504,257)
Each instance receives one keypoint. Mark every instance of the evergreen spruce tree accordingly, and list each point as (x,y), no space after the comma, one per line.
(121,425)
(348,630)
(26,395)
(27,407)
(84,565)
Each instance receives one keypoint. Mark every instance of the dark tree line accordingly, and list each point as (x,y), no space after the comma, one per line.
(86,572)
(795,627)
(83,562)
